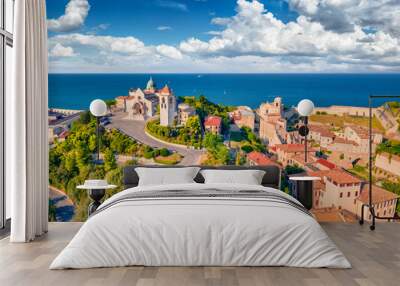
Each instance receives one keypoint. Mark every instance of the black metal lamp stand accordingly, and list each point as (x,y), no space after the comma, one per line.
(98,138)
(370,206)
(303,131)
(96,195)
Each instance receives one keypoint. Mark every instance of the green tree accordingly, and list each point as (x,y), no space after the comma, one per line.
(85,117)
(222,154)
(211,141)
(109,160)
(164,152)
(110,103)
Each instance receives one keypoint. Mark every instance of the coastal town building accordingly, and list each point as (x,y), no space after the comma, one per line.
(184,112)
(60,120)
(139,104)
(299,160)
(213,124)
(387,165)
(345,150)
(321,135)
(63,135)
(167,106)
(388,119)
(272,122)
(383,201)
(324,165)
(243,116)
(142,104)
(352,145)
(54,132)
(340,190)
(360,136)
(288,153)
(255,158)
(344,110)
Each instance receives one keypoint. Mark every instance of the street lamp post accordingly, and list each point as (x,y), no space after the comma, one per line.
(98,108)
(305,108)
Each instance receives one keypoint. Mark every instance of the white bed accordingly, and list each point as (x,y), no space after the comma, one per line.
(202,231)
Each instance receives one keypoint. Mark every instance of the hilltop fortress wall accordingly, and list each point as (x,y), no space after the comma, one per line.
(345,110)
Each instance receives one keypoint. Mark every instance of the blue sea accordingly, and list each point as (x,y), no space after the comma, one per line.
(76,91)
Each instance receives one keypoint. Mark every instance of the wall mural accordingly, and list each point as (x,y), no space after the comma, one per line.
(212,84)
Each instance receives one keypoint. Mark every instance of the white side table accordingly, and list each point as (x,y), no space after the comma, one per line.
(96,190)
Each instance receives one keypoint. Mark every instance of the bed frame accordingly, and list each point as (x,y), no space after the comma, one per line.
(272,177)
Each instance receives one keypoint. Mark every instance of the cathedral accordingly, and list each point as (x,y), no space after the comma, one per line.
(142,104)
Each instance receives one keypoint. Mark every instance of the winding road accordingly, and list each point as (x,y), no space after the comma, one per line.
(135,129)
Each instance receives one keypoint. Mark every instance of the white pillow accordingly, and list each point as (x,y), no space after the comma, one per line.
(248,177)
(166,176)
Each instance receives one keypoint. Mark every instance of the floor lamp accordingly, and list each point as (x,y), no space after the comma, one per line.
(370,205)
(305,108)
(98,108)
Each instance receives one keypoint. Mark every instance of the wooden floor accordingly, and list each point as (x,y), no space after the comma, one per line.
(375,257)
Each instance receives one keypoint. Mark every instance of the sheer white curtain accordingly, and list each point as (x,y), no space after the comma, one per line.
(26,124)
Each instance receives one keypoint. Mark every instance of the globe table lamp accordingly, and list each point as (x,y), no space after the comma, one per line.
(98,108)
(305,108)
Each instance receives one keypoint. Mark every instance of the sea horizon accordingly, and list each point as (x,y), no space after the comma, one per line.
(77,90)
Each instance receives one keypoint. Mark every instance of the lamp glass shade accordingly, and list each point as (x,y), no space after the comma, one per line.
(98,107)
(305,107)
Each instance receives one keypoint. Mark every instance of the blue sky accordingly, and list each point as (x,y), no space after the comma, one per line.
(161,21)
(223,36)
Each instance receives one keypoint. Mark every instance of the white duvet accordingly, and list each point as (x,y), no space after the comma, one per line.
(200,231)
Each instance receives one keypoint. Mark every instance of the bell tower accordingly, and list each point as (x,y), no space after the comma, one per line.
(167,106)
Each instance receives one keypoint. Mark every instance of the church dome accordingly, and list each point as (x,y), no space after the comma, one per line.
(150,84)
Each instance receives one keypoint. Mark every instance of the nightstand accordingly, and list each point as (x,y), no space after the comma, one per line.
(96,190)
(304,190)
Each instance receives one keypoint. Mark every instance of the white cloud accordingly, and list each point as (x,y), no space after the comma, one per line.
(114,47)
(255,31)
(164,28)
(173,5)
(60,51)
(169,51)
(75,15)
(109,44)
(345,15)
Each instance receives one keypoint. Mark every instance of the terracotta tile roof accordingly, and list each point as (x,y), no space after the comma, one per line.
(326,163)
(290,148)
(260,159)
(361,132)
(212,121)
(64,134)
(299,158)
(165,90)
(272,148)
(320,174)
(127,97)
(342,177)
(344,141)
(337,175)
(324,131)
(379,195)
